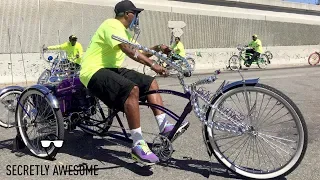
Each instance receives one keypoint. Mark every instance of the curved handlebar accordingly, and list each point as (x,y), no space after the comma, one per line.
(159,55)
(243,47)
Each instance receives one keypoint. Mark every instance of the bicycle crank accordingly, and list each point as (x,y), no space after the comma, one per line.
(162,147)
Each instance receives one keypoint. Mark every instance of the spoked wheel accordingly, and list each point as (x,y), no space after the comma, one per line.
(96,122)
(8,104)
(314,59)
(234,63)
(44,77)
(269,55)
(191,62)
(263,61)
(275,140)
(37,120)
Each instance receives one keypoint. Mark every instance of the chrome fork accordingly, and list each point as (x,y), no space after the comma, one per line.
(236,124)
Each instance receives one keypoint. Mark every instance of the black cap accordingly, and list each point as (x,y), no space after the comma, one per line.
(73,37)
(126,5)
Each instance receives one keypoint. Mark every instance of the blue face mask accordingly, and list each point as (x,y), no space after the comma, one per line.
(134,23)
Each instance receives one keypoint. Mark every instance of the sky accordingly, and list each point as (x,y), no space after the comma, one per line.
(304,1)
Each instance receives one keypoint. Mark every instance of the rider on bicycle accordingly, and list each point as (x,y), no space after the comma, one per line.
(178,47)
(256,50)
(120,88)
(73,49)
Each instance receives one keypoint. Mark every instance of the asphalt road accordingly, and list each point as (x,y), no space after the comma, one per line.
(190,159)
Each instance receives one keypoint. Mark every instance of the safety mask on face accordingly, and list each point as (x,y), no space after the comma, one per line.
(134,23)
(134,26)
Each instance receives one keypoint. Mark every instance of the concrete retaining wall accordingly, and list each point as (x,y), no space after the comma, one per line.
(50,22)
(211,59)
(214,28)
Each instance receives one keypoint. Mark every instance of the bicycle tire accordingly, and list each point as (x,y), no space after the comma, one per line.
(191,62)
(263,64)
(299,119)
(22,127)
(9,107)
(269,55)
(314,56)
(234,59)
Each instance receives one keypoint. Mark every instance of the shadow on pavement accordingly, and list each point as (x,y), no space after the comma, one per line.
(204,168)
(86,147)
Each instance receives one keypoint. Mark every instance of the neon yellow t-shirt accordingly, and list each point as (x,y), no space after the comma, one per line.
(103,51)
(179,49)
(71,51)
(257,45)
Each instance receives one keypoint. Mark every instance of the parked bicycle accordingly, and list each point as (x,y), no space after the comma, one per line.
(314,58)
(269,55)
(236,61)
(252,129)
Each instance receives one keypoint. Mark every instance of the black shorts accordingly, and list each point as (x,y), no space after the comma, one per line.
(253,52)
(113,85)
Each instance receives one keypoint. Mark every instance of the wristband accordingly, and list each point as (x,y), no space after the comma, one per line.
(136,54)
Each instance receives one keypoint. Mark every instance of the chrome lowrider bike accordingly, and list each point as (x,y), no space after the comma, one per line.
(252,129)
(59,69)
(59,65)
(236,61)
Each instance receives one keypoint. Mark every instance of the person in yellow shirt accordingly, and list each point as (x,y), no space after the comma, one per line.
(73,49)
(178,47)
(256,50)
(118,87)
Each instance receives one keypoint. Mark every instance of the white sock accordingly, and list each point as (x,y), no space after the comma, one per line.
(136,135)
(162,121)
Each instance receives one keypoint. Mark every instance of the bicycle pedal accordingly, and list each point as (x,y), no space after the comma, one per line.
(178,134)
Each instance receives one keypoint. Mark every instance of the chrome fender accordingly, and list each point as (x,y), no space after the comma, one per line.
(11,88)
(206,140)
(209,141)
(46,92)
(247,82)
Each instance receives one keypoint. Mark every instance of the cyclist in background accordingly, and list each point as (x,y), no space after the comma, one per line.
(256,50)
(73,49)
(178,47)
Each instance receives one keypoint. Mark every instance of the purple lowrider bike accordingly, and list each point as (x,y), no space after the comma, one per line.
(252,129)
